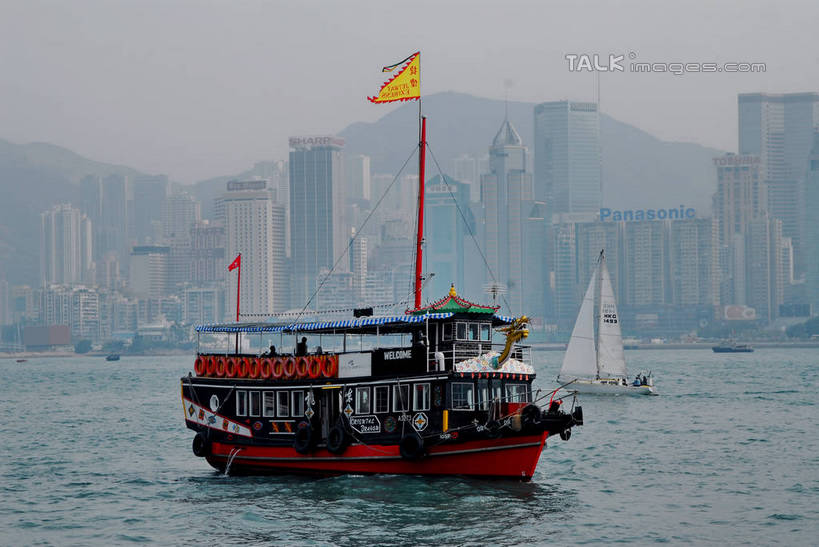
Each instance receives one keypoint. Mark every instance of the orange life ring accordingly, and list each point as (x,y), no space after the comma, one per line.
(329,368)
(199,366)
(265,369)
(210,365)
(277,371)
(241,367)
(289,368)
(230,367)
(220,366)
(314,366)
(302,366)
(252,366)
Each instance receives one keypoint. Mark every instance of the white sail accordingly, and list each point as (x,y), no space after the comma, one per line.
(611,360)
(580,360)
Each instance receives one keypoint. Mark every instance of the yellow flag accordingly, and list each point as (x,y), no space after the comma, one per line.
(404,86)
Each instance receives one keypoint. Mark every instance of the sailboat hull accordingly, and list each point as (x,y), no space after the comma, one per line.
(604,388)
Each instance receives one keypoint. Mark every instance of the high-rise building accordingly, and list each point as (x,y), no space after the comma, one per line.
(181,212)
(66,254)
(446,232)
(810,242)
(149,196)
(740,195)
(317,229)
(112,228)
(75,306)
(567,157)
(254,228)
(148,272)
(358,267)
(465,169)
(358,177)
(506,196)
(203,305)
(764,271)
(207,253)
(779,128)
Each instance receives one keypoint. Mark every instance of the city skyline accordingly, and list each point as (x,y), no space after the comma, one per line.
(186,86)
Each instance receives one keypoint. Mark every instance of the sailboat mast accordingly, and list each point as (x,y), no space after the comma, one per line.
(422,145)
(598,311)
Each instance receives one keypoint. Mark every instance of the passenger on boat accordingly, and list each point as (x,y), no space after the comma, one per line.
(301,347)
(636,381)
(270,353)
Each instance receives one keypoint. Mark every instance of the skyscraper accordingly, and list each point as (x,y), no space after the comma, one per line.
(810,243)
(506,196)
(446,234)
(112,228)
(65,246)
(180,213)
(149,195)
(317,231)
(254,227)
(779,129)
(567,157)
(358,177)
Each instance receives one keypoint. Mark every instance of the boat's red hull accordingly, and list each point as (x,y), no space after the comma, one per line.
(505,457)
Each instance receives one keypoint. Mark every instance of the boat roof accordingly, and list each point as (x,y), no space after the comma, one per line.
(455,304)
(362,325)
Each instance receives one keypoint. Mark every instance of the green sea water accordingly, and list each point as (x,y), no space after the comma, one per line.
(98,453)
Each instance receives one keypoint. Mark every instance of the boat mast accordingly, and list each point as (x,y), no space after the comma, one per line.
(598,291)
(422,145)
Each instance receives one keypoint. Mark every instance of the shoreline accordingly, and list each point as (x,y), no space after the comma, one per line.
(548,346)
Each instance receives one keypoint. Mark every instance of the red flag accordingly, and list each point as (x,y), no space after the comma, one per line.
(237,262)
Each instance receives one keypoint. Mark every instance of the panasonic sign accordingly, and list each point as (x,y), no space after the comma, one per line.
(678,213)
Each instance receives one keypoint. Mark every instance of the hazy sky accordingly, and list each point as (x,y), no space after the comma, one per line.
(197,89)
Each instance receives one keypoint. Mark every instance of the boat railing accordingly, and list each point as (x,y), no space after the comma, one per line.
(464,351)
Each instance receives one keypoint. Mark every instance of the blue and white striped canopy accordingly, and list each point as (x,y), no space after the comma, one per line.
(323,325)
(353,324)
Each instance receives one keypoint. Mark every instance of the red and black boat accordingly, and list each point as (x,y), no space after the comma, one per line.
(428,392)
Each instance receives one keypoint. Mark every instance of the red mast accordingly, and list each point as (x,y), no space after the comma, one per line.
(418,249)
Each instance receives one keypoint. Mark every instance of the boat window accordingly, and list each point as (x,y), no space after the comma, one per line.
(517,393)
(362,400)
(382,399)
(269,404)
(462,395)
(496,391)
(400,398)
(447,331)
(474,331)
(282,404)
(298,404)
(241,403)
(485,333)
(254,403)
(483,394)
(460,333)
(420,397)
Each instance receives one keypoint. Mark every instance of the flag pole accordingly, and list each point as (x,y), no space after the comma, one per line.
(238,299)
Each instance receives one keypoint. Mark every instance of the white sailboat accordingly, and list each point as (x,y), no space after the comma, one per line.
(597,364)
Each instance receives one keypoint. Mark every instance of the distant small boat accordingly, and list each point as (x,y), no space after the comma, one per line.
(732,347)
(22,360)
(112,357)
